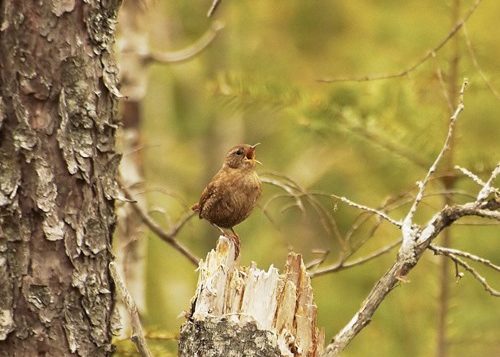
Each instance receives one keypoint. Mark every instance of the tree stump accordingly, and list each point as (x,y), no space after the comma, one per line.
(245,311)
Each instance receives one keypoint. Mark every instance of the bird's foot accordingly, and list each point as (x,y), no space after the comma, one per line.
(236,241)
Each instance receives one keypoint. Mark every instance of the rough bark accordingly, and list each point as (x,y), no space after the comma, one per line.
(57,171)
(250,312)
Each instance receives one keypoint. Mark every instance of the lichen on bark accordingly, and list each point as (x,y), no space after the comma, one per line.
(216,336)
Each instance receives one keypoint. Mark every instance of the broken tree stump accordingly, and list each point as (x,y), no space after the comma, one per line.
(245,311)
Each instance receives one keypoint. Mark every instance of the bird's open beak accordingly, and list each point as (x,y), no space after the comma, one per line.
(251,154)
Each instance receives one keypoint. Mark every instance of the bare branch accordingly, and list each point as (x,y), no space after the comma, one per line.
(137,330)
(318,261)
(291,190)
(368,209)
(213,7)
(471,175)
(487,188)
(390,204)
(299,195)
(462,263)
(346,265)
(479,181)
(431,53)
(168,237)
(407,230)
(444,251)
(186,53)
(404,264)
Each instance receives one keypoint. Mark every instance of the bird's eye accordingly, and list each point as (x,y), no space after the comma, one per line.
(239,152)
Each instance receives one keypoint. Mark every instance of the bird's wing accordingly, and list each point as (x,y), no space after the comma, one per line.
(207,197)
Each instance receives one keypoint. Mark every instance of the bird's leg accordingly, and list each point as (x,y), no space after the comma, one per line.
(236,240)
(223,232)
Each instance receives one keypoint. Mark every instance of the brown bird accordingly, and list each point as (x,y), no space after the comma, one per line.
(231,195)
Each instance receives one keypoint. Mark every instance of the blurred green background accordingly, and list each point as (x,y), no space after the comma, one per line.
(258,82)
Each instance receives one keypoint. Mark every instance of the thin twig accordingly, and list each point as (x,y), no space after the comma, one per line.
(298,193)
(487,188)
(213,7)
(443,251)
(318,261)
(477,179)
(285,187)
(137,337)
(346,265)
(368,209)
(467,267)
(408,220)
(395,203)
(327,219)
(471,175)
(186,53)
(168,237)
(483,224)
(391,204)
(417,64)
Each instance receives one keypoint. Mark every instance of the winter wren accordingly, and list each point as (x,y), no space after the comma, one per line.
(231,195)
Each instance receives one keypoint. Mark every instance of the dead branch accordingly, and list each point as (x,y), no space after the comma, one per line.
(487,189)
(364,217)
(300,196)
(416,240)
(213,7)
(346,265)
(168,237)
(137,337)
(477,179)
(444,251)
(404,263)
(407,228)
(369,209)
(186,53)
(454,256)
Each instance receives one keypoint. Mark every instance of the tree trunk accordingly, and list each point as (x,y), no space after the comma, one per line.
(250,312)
(57,176)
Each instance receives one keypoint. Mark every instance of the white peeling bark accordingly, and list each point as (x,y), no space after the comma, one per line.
(245,311)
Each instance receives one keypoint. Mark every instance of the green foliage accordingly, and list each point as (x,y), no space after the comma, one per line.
(258,82)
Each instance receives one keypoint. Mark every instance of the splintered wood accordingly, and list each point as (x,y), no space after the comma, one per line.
(278,308)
